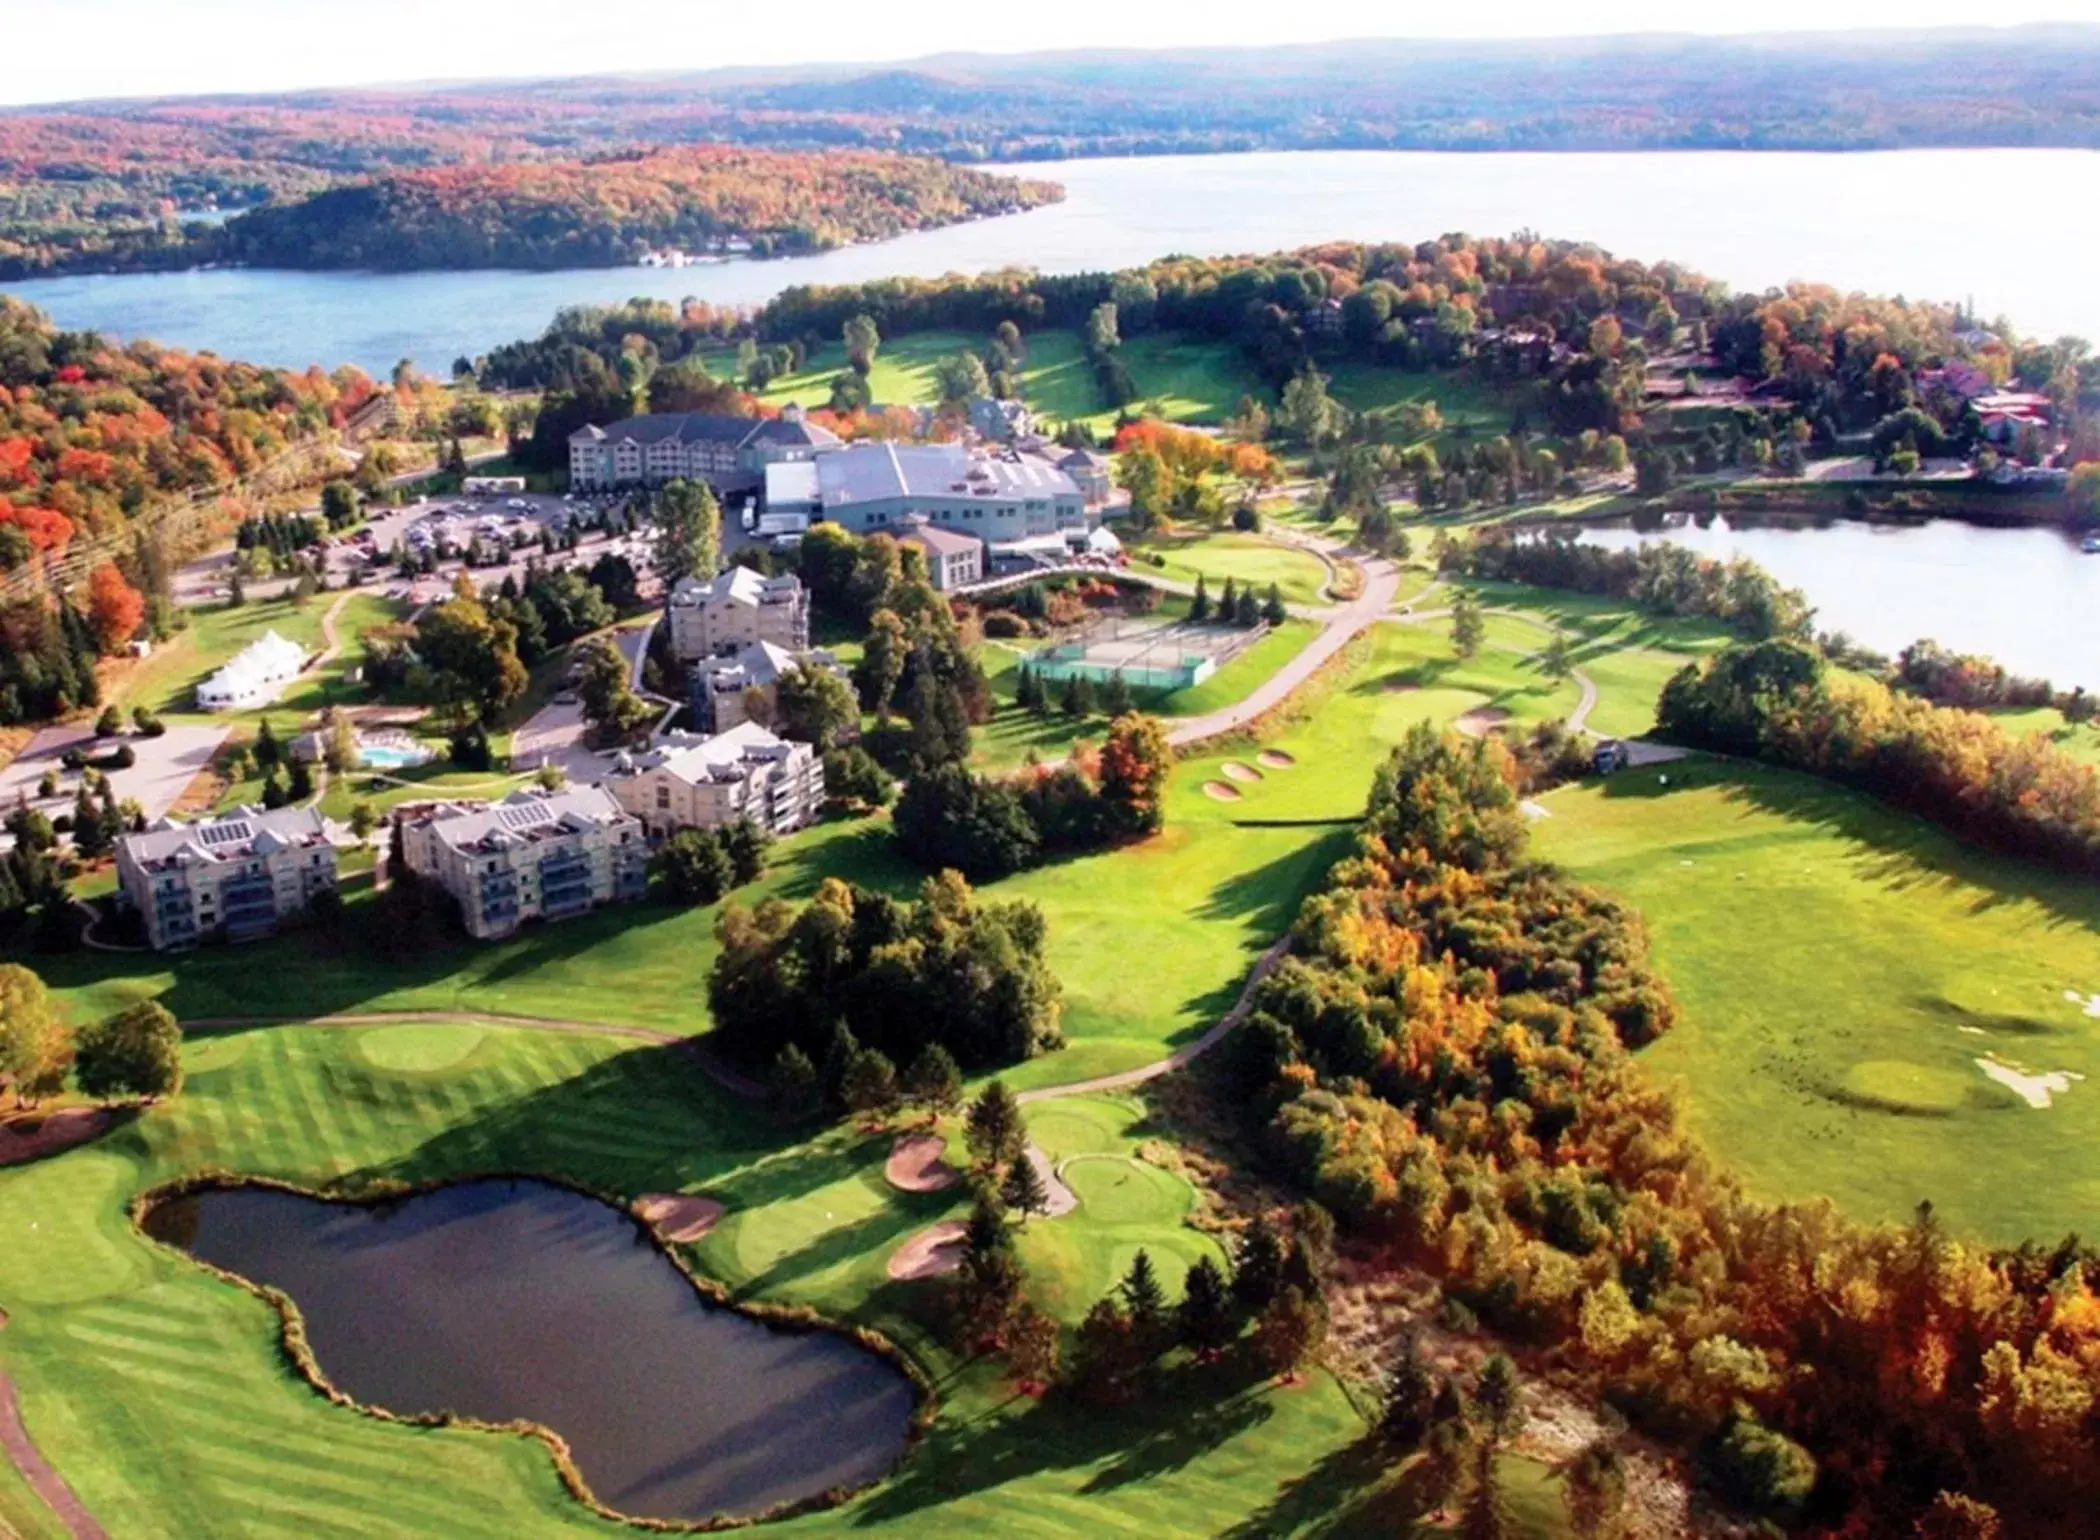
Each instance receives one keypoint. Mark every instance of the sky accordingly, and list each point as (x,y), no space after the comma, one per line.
(67,50)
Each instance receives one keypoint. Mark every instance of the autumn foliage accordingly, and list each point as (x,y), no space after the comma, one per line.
(1444,1061)
(115,607)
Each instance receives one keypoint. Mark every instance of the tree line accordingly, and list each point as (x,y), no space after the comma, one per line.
(1445,1061)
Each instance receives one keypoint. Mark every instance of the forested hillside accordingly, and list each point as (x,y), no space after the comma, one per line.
(608,212)
(105,184)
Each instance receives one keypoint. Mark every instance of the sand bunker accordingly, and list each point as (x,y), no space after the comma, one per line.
(1220,791)
(915,1164)
(1240,772)
(679,1215)
(1276,759)
(2090,1004)
(55,1131)
(930,1253)
(1533,810)
(1062,1200)
(2035,1090)
(1482,720)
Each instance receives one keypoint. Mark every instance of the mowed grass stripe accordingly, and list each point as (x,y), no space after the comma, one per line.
(346,1494)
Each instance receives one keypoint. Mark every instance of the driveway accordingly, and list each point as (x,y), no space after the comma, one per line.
(166,765)
(553,735)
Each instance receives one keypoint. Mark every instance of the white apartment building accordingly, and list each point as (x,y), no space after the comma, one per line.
(719,690)
(952,560)
(730,454)
(736,609)
(690,782)
(234,876)
(534,855)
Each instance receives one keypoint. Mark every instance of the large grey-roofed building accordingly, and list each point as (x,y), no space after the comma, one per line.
(870,487)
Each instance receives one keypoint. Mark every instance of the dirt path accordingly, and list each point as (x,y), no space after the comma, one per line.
(47,1483)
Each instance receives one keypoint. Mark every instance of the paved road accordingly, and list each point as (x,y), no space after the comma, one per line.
(1340,625)
(47,1483)
(553,735)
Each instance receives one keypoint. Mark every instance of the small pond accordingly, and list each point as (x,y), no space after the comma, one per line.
(515,1299)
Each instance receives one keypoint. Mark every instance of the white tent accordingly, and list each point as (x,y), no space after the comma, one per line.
(254,676)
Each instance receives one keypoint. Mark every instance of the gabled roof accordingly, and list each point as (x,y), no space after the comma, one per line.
(733,585)
(235,836)
(942,542)
(708,428)
(730,756)
(525,818)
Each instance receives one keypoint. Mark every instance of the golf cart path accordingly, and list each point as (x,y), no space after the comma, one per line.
(43,1480)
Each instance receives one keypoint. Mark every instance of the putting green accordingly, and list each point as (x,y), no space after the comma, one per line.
(1892,1085)
(1116,1190)
(415,1049)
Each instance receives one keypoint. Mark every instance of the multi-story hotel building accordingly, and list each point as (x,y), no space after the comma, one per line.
(534,855)
(234,876)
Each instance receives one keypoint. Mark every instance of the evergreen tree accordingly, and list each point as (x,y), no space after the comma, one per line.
(1023,1189)
(1229,603)
(1554,662)
(791,1086)
(1106,1357)
(933,1081)
(1272,609)
(300,786)
(1028,691)
(745,844)
(869,1086)
(1146,1303)
(1077,699)
(1291,1329)
(87,827)
(1247,608)
(1115,695)
(1499,1395)
(1257,1266)
(273,792)
(266,749)
(1204,1321)
(1468,626)
(994,1134)
(1199,604)
(1410,1399)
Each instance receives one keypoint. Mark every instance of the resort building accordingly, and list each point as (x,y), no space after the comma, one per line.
(735,609)
(534,855)
(723,692)
(234,876)
(952,558)
(874,487)
(691,782)
(254,676)
(728,453)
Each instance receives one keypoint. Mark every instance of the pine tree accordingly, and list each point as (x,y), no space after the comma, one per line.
(1205,1322)
(791,1087)
(994,1134)
(1257,1266)
(266,749)
(300,787)
(1146,1302)
(1199,604)
(1115,695)
(1410,1398)
(1077,700)
(1023,1189)
(1229,603)
(933,1081)
(1272,609)
(869,1086)
(1247,608)
(273,792)
(1028,691)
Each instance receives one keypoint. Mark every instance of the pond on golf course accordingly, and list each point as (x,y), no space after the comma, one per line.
(503,1299)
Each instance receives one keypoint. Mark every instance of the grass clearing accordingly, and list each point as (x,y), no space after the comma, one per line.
(1842,969)
(1245,558)
(1462,403)
(1054,377)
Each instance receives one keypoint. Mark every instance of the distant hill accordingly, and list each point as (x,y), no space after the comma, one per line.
(101,184)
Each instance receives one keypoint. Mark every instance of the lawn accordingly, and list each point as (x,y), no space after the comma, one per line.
(162,1395)
(1844,971)
(1462,403)
(2079,740)
(1054,376)
(1185,379)
(1245,558)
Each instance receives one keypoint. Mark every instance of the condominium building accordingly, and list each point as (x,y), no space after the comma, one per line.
(728,453)
(691,782)
(722,692)
(735,609)
(534,855)
(233,876)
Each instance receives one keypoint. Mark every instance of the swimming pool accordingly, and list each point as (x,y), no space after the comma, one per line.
(392,756)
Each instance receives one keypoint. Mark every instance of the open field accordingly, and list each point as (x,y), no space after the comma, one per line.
(2079,740)
(1188,380)
(1245,558)
(1054,376)
(1462,403)
(161,1395)
(1845,973)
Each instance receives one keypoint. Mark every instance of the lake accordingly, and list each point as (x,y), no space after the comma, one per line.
(1924,223)
(518,1299)
(2026,597)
